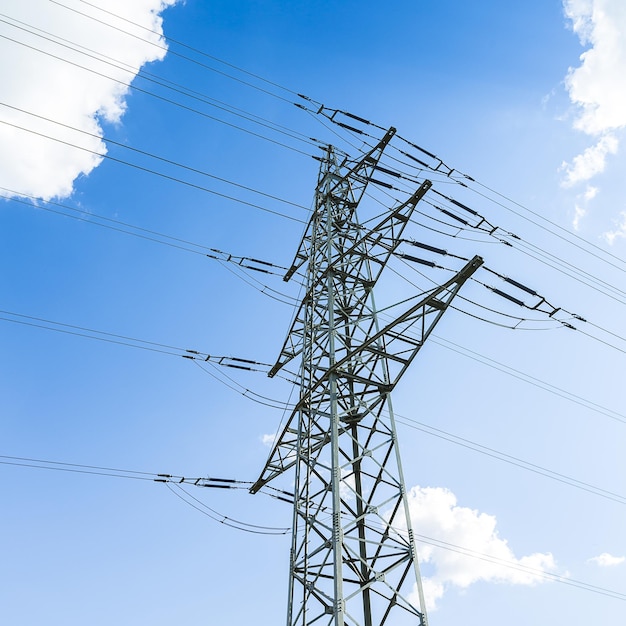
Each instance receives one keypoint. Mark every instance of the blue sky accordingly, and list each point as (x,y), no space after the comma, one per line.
(498,92)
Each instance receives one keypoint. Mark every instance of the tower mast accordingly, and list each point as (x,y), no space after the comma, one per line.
(353,559)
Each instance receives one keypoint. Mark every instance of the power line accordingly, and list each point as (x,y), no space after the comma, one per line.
(510,459)
(518,320)
(445,545)
(221,518)
(242,267)
(243,391)
(571,271)
(166,84)
(540,254)
(246,364)
(549,313)
(165,48)
(230,182)
(467,183)
(174,483)
(469,179)
(527,378)
(472,445)
(245,262)
(132,342)
(47,464)
(544,257)
(510,239)
(155,156)
(75,468)
(556,226)
(161,174)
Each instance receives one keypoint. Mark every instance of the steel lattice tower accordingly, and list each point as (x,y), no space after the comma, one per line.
(353,559)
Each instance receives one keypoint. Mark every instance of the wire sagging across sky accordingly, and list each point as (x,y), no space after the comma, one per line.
(176,485)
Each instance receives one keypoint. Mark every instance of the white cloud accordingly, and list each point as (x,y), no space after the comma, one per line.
(579,214)
(597,86)
(607,560)
(619,232)
(436,514)
(347,486)
(590,163)
(268,439)
(36,82)
(580,211)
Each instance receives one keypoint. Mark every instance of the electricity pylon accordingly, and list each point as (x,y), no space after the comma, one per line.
(353,559)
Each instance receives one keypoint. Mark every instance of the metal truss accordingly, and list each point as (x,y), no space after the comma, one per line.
(353,559)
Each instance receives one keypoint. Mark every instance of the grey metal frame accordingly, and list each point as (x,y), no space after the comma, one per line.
(353,559)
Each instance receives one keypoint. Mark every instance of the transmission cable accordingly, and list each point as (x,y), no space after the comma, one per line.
(548,258)
(132,342)
(244,262)
(148,154)
(440,163)
(154,95)
(571,271)
(211,482)
(512,460)
(230,76)
(361,119)
(246,265)
(557,226)
(169,480)
(175,482)
(526,247)
(541,573)
(163,82)
(617,595)
(519,243)
(152,156)
(75,468)
(526,378)
(403,259)
(243,391)
(224,519)
(179,43)
(549,313)
(161,174)
(114,472)
(536,214)
(536,254)
(87,3)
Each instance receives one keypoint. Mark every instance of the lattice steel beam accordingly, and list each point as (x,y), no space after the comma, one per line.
(353,559)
